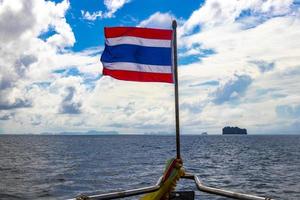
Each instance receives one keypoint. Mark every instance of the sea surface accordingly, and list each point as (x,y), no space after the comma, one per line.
(61,167)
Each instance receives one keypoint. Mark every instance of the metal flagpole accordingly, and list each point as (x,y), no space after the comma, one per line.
(174,26)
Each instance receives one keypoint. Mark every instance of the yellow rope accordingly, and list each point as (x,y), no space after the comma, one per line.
(172,174)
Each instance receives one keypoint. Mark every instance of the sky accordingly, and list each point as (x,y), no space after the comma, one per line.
(239,65)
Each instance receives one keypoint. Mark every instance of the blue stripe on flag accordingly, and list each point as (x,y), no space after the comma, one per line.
(137,54)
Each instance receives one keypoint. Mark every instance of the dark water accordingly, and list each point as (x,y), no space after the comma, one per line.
(60,167)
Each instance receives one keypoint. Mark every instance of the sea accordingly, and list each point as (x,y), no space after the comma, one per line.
(62,167)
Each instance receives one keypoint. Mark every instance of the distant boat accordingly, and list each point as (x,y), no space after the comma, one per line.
(234,131)
(204,133)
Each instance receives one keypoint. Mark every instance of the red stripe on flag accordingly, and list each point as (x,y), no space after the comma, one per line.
(138,76)
(148,33)
(169,170)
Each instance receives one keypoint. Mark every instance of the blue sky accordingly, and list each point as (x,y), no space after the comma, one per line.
(239,65)
(91,34)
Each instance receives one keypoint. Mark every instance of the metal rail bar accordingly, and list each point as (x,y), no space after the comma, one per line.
(222,192)
(121,194)
(200,186)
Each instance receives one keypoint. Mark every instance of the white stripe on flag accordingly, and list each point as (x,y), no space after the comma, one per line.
(138,41)
(138,67)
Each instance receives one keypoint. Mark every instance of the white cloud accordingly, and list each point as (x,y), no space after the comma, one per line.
(276,7)
(29,96)
(112,7)
(262,52)
(20,25)
(158,20)
(91,16)
(232,89)
(250,77)
(246,55)
(215,12)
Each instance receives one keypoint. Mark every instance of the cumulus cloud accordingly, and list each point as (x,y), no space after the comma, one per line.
(191,107)
(92,16)
(244,38)
(28,59)
(23,63)
(263,65)
(21,52)
(18,103)
(6,116)
(114,5)
(288,111)
(20,16)
(158,20)
(232,89)
(215,12)
(69,105)
(242,68)
(206,83)
(111,5)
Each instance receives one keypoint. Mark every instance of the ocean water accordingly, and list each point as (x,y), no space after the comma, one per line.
(61,167)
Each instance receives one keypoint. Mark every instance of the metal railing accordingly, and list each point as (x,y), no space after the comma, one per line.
(144,190)
(222,192)
(121,194)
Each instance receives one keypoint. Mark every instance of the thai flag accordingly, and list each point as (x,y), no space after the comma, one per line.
(138,54)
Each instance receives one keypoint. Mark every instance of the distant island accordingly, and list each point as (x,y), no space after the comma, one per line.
(158,133)
(234,131)
(204,133)
(91,132)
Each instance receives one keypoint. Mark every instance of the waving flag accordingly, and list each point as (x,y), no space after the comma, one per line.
(138,54)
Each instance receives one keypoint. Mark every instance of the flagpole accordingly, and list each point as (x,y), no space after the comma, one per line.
(174,26)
